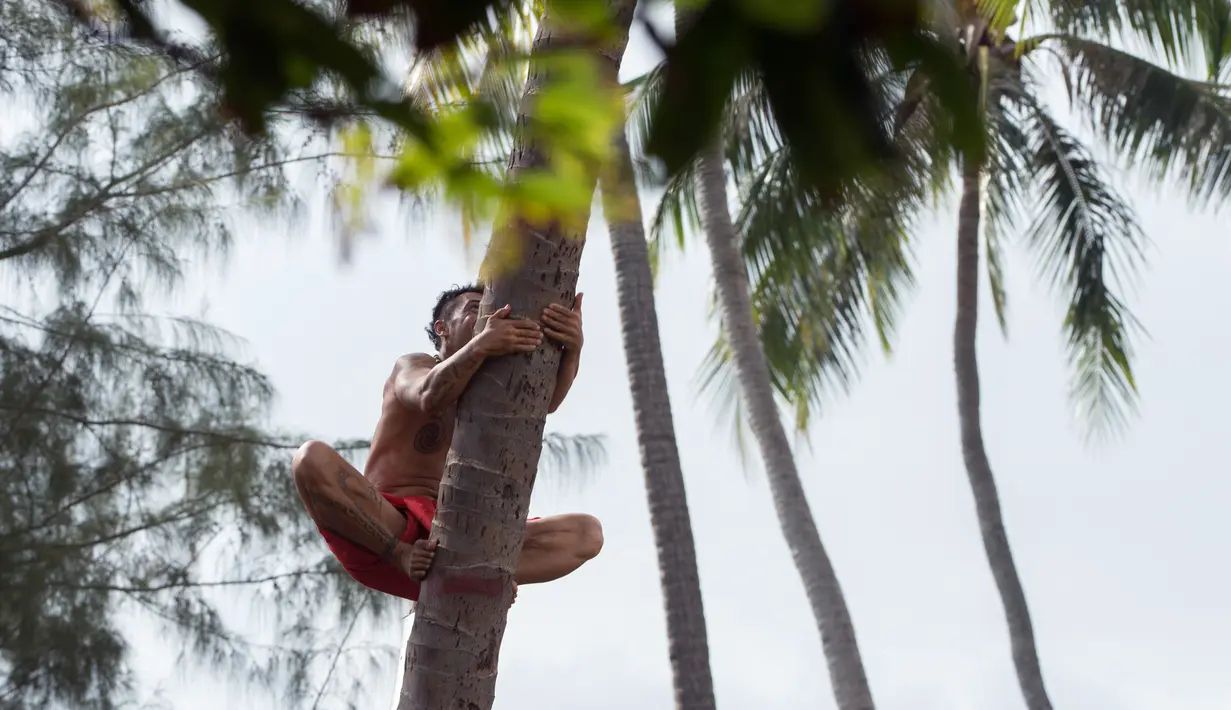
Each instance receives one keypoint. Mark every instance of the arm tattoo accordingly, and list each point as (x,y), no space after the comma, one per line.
(448,379)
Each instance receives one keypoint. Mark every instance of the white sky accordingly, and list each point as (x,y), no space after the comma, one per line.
(1119,545)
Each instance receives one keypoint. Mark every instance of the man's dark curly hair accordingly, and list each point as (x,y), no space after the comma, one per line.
(442,303)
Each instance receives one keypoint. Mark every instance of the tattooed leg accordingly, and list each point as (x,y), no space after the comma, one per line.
(345,503)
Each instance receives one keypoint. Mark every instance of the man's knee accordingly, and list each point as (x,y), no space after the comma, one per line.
(589,536)
(310,464)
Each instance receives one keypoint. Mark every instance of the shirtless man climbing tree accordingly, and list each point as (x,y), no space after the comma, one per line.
(378,524)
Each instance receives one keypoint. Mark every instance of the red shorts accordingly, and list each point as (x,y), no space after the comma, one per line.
(368,568)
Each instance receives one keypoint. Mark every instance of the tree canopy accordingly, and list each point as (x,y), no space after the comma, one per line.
(312,58)
(141,475)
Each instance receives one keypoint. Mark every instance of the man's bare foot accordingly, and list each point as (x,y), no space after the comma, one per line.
(514,600)
(418,560)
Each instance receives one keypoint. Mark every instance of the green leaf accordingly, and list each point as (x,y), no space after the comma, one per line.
(698,75)
(788,15)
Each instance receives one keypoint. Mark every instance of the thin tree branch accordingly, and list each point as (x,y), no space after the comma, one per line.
(151,589)
(258,168)
(194,511)
(108,486)
(221,436)
(338,654)
(76,121)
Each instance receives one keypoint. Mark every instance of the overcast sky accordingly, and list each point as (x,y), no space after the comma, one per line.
(1121,546)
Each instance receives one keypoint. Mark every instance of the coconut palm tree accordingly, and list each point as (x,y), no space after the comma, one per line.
(660,457)
(1035,173)
(484,67)
(860,252)
(453,653)
(850,683)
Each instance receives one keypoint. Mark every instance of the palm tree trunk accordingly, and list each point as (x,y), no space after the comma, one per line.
(978,468)
(660,458)
(454,648)
(850,683)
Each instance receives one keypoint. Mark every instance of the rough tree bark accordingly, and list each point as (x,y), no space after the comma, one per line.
(978,467)
(660,458)
(453,653)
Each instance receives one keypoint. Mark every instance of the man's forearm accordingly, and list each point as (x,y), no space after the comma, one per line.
(446,382)
(569,363)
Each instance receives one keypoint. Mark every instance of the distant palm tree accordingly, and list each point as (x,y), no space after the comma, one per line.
(660,457)
(855,259)
(1086,235)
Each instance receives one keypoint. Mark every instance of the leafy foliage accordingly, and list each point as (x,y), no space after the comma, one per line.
(136,449)
(127,465)
(1164,123)
(1177,28)
(1081,227)
(830,121)
(1038,180)
(820,281)
(139,474)
(824,272)
(317,60)
(278,53)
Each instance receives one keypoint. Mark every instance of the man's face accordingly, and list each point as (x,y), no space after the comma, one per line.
(458,325)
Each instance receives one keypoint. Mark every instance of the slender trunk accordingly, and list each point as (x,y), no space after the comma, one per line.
(978,468)
(850,683)
(660,458)
(454,648)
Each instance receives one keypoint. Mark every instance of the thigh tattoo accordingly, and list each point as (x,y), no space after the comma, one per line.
(370,525)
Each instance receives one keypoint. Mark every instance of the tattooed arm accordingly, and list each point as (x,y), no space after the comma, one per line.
(424,385)
(421,384)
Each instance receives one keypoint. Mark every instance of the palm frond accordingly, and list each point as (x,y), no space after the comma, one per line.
(487,66)
(718,381)
(677,213)
(572,459)
(1154,118)
(643,96)
(749,131)
(820,280)
(1005,174)
(1000,14)
(1215,28)
(921,133)
(1169,26)
(1088,240)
